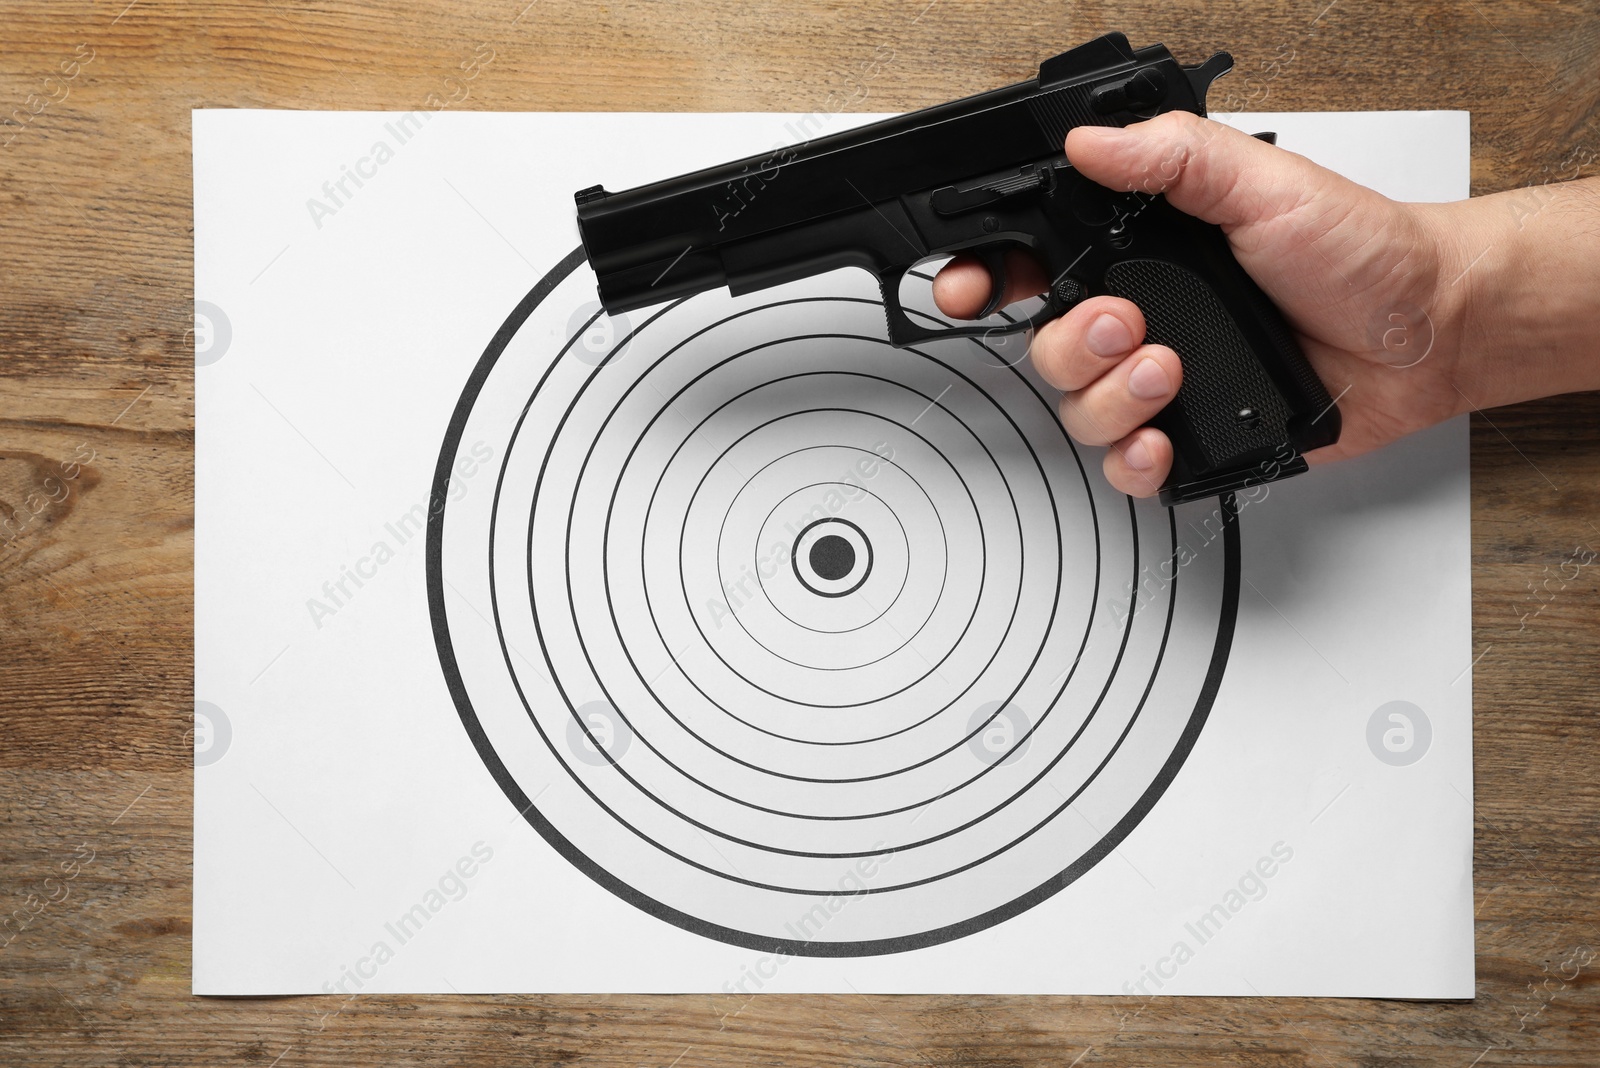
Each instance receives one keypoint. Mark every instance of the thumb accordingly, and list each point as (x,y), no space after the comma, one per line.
(1206,169)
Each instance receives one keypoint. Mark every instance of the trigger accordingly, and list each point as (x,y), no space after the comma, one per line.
(994,261)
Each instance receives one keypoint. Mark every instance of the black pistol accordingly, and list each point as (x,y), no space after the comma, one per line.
(980,176)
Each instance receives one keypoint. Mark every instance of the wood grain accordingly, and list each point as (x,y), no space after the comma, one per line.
(96,579)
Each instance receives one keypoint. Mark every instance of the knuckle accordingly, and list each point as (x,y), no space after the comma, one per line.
(1081,423)
(1183,120)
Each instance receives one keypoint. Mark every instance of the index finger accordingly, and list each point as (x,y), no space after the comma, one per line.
(962,287)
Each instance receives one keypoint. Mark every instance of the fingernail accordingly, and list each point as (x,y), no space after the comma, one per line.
(1149,380)
(1108,336)
(1137,456)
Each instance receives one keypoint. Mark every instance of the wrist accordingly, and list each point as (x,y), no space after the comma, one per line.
(1515,297)
(1468,246)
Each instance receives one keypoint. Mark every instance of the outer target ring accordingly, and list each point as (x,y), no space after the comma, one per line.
(1228,612)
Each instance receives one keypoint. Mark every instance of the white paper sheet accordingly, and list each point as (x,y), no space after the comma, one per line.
(750,661)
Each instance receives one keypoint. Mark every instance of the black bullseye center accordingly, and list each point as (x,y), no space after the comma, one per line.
(821,558)
(832,557)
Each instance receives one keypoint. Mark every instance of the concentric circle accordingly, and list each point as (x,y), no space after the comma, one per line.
(801,641)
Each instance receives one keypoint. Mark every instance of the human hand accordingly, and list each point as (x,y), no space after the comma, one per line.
(1360,278)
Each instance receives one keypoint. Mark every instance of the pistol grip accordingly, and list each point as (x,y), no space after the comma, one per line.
(1250,404)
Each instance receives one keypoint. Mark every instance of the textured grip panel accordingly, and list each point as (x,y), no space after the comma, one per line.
(1221,376)
(1313,392)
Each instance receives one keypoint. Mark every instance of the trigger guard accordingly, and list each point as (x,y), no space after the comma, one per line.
(904,332)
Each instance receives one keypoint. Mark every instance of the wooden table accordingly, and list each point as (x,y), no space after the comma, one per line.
(96,474)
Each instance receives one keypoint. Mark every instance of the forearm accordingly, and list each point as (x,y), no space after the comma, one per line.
(1519,291)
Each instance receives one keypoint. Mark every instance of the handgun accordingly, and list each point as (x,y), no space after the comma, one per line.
(980,176)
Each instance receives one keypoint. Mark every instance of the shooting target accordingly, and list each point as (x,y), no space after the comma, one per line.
(800,641)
